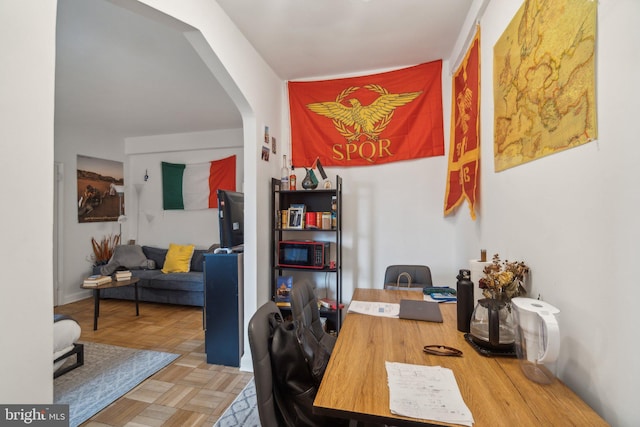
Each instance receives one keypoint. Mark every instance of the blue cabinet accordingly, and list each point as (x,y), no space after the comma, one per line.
(223,308)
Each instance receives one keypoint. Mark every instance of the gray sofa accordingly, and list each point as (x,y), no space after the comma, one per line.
(156,286)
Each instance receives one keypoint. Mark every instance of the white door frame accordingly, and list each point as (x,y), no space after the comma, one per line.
(58,227)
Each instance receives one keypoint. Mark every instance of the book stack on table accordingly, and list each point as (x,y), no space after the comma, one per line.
(123,275)
(96,280)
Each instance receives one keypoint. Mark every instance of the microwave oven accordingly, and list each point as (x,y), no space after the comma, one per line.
(306,253)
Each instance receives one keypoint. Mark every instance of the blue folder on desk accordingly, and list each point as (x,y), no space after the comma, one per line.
(420,310)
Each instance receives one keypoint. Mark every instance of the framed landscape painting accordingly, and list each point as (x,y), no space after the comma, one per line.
(100,189)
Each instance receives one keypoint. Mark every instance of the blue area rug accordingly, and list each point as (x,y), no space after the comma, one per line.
(243,411)
(108,373)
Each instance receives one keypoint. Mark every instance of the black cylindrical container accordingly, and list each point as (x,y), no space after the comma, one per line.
(464,289)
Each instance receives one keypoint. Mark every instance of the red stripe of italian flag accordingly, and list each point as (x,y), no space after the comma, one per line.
(194,186)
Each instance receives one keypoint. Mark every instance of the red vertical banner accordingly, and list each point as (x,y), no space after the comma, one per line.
(368,120)
(464,152)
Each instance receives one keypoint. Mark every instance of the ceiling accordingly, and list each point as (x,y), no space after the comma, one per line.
(122,73)
(313,38)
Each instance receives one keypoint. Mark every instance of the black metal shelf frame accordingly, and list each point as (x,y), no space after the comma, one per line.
(315,201)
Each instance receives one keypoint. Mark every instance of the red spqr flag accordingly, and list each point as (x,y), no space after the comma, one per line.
(368,120)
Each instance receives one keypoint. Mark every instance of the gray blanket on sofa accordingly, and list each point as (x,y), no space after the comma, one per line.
(127,256)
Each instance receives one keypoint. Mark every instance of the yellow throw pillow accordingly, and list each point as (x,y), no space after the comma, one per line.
(178,259)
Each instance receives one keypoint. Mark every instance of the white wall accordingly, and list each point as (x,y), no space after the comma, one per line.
(76,236)
(393,214)
(573,217)
(570,216)
(27,106)
(27,34)
(258,93)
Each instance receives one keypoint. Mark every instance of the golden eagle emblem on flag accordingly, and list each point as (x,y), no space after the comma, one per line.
(356,120)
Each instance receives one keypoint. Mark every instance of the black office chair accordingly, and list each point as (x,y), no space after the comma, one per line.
(407,277)
(259,331)
(259,341)
(304,306)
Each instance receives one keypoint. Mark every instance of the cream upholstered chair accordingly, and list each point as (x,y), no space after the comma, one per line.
(407,277)
(66,333)
(304,306)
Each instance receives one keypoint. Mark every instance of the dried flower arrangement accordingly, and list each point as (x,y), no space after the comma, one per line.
(503,280)
(103,250)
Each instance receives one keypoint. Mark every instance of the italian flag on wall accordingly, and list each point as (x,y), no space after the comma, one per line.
(194,186)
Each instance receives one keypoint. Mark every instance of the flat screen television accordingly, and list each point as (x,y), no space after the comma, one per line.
(231,219)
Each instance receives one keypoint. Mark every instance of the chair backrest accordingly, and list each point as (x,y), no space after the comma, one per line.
(304,306)
(411,277)
(259,331)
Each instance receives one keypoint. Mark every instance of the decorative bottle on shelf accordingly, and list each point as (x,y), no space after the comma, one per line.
(465,300)
(284,174)
(310,182)
(292,179)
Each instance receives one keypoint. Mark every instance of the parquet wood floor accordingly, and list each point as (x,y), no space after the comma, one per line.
(189,392)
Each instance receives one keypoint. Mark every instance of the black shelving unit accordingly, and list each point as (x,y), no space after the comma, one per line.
(319,200)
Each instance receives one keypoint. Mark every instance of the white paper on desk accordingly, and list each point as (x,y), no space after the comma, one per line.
(383,309)
(426,392)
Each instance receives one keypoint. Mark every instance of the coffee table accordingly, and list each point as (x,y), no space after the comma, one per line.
(113,284)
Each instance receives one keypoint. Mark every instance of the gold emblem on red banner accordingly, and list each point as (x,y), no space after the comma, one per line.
(357,120)
(464,154)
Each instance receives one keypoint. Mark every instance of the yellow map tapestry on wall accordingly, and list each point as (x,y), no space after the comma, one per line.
(544,81)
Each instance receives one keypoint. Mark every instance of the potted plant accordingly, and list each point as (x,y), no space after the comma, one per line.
(504,280)
(103,249)
(492,325)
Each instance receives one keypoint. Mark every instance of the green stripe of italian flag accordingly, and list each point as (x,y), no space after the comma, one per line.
(194,186)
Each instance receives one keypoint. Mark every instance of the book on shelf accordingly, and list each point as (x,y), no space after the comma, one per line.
(96,280)
(330,303)
(334,212)
(283,291)
(298,206)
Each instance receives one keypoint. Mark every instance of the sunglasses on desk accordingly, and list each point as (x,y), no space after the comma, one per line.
(442,350)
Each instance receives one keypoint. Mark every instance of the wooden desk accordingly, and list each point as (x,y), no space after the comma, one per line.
(495,389)
(113,284)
